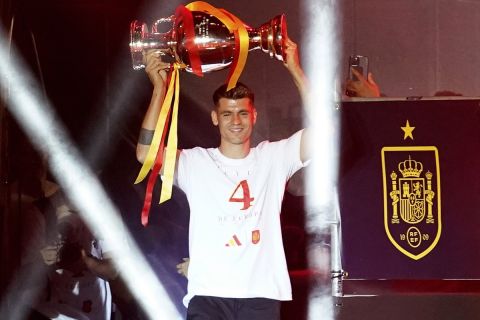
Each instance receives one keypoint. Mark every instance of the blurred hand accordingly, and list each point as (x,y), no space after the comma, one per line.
(182,268)
(50,254)
(365,88)
(102,268)
(61,257)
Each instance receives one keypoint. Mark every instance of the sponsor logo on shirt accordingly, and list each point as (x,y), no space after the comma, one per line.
(233,242)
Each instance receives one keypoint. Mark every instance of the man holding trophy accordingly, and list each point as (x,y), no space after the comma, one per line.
(237,266)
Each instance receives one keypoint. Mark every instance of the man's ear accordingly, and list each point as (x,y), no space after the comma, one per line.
(254,116)
(214,116)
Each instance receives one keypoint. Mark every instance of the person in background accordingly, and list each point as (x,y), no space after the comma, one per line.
(78,268)
(363,87)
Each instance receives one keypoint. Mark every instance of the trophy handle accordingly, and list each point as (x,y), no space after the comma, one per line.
(278,37)
(284,36)
(170,19)
(141,39)
(138,31)
(270,37)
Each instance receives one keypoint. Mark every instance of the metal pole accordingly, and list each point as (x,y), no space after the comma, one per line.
(336,252)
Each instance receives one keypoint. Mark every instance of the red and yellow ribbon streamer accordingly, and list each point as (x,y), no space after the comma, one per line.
(154,158)
(171,151)
(182,14)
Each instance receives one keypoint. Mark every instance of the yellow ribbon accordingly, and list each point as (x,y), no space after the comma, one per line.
(171,152)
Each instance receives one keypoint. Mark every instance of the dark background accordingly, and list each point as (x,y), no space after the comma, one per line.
(78,52)
(449,125)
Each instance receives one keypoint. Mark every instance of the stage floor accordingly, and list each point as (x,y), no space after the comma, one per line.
(395,300)
(406,307)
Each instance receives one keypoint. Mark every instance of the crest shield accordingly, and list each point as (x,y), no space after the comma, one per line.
(412,201)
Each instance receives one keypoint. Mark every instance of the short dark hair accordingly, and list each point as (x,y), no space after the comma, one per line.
(238,92)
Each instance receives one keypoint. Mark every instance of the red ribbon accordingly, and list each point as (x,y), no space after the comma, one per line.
(184,15)
(152,178)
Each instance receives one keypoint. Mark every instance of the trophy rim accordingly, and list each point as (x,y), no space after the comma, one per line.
(283,27)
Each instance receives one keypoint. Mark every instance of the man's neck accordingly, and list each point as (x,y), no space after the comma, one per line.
(235,151)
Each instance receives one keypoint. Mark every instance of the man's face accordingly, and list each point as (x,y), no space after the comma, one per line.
(235,120)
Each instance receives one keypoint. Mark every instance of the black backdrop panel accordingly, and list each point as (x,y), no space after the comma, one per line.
(444,138)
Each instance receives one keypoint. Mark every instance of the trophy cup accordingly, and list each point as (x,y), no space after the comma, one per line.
(214,42)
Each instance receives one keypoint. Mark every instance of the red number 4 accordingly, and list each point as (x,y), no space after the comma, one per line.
(246,195)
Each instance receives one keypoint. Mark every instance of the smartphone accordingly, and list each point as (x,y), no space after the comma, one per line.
(360,63)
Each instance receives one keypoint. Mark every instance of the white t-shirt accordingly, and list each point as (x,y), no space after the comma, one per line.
(235,239)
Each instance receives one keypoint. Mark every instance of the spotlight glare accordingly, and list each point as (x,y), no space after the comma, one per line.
(322,221)
(49,137)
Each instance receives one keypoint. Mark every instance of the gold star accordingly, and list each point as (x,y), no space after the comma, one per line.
(408,131)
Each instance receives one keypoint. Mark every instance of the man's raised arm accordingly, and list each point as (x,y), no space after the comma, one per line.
(292,63)
(157,73)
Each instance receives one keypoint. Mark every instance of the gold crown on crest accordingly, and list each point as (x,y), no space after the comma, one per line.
(410,168)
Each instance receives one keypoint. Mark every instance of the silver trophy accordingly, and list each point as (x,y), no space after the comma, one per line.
(214,43)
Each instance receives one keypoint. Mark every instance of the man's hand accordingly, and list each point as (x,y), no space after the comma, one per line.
(155,68)
(292,62)
(365,88)
(182,268)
